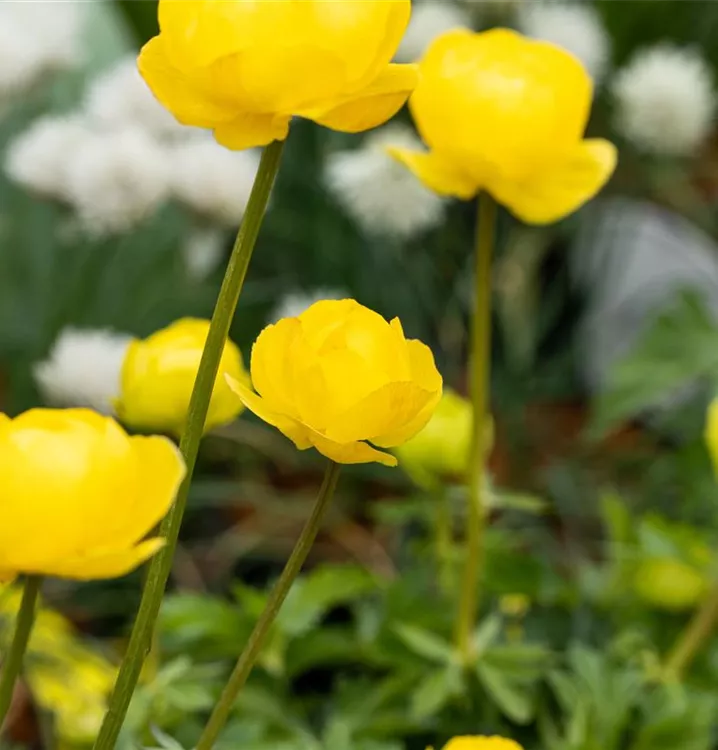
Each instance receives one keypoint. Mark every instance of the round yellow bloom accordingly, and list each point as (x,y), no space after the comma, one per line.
(442,448)
(670,584)
(481,743)
(244,67)
(158,375)
(506,114)
(338,375)
(78,495)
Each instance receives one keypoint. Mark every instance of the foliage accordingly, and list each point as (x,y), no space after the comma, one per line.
(577,618)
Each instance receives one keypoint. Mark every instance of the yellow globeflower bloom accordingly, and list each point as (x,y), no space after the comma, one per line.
(78,495)
(158,375)
(481,743)
(442,448)
(506,114)
(244,67)
(339,375)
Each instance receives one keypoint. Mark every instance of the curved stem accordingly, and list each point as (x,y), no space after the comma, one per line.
(694,637)
(23,627)
(249,655)
(480,383)
(161,565)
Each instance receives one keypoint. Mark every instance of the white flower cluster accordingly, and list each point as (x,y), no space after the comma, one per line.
(122,155)
(665,100)
(83,369)
(215,182)
(381,195)
(575,26)
(37,38)
(202,251)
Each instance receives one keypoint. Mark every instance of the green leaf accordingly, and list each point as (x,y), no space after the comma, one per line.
(486,633)
(617,519)
(512,699)
(326,587)
(426,644)
(679,347)
(435,691)
(337,735)
(523,662)
(165,741)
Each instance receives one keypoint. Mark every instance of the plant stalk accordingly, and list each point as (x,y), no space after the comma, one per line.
(249,655)
(693,637)
(160,566)
(12,663)
(444,542)
(480,364)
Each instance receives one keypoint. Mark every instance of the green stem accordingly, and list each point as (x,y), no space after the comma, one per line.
(480,380)
(23,627)
(249,655)
(693,637)
(161,565)
(444,541)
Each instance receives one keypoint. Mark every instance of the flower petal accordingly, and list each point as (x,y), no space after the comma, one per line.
(161,470)
(290,427)
(350,453)
(437,174)
(268,368)
(175,91)
(250,130)
(423,367)
(553,195)
(370,107)
(386,410)
(107,564)
(425,374)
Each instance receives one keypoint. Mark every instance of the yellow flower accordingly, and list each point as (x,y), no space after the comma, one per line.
(506,114)
(442,448)
(338,375)
(244,67)
(78,495)
(481,743)
(66,677)
(158,375)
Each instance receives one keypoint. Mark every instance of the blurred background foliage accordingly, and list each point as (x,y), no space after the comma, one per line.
(604,518)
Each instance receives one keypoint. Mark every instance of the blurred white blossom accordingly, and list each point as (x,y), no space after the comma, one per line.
(295,303)
(380,194)
(428,20)
(115,180)
(39,157)
(120,97)
(202,251)
(36,38)
(213,181)
(575,26)
(665,100)
(83,369)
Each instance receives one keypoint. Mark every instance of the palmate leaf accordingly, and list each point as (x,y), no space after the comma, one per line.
(514,700)
(425,644)
(314,594)
(679,348)
(435,691)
